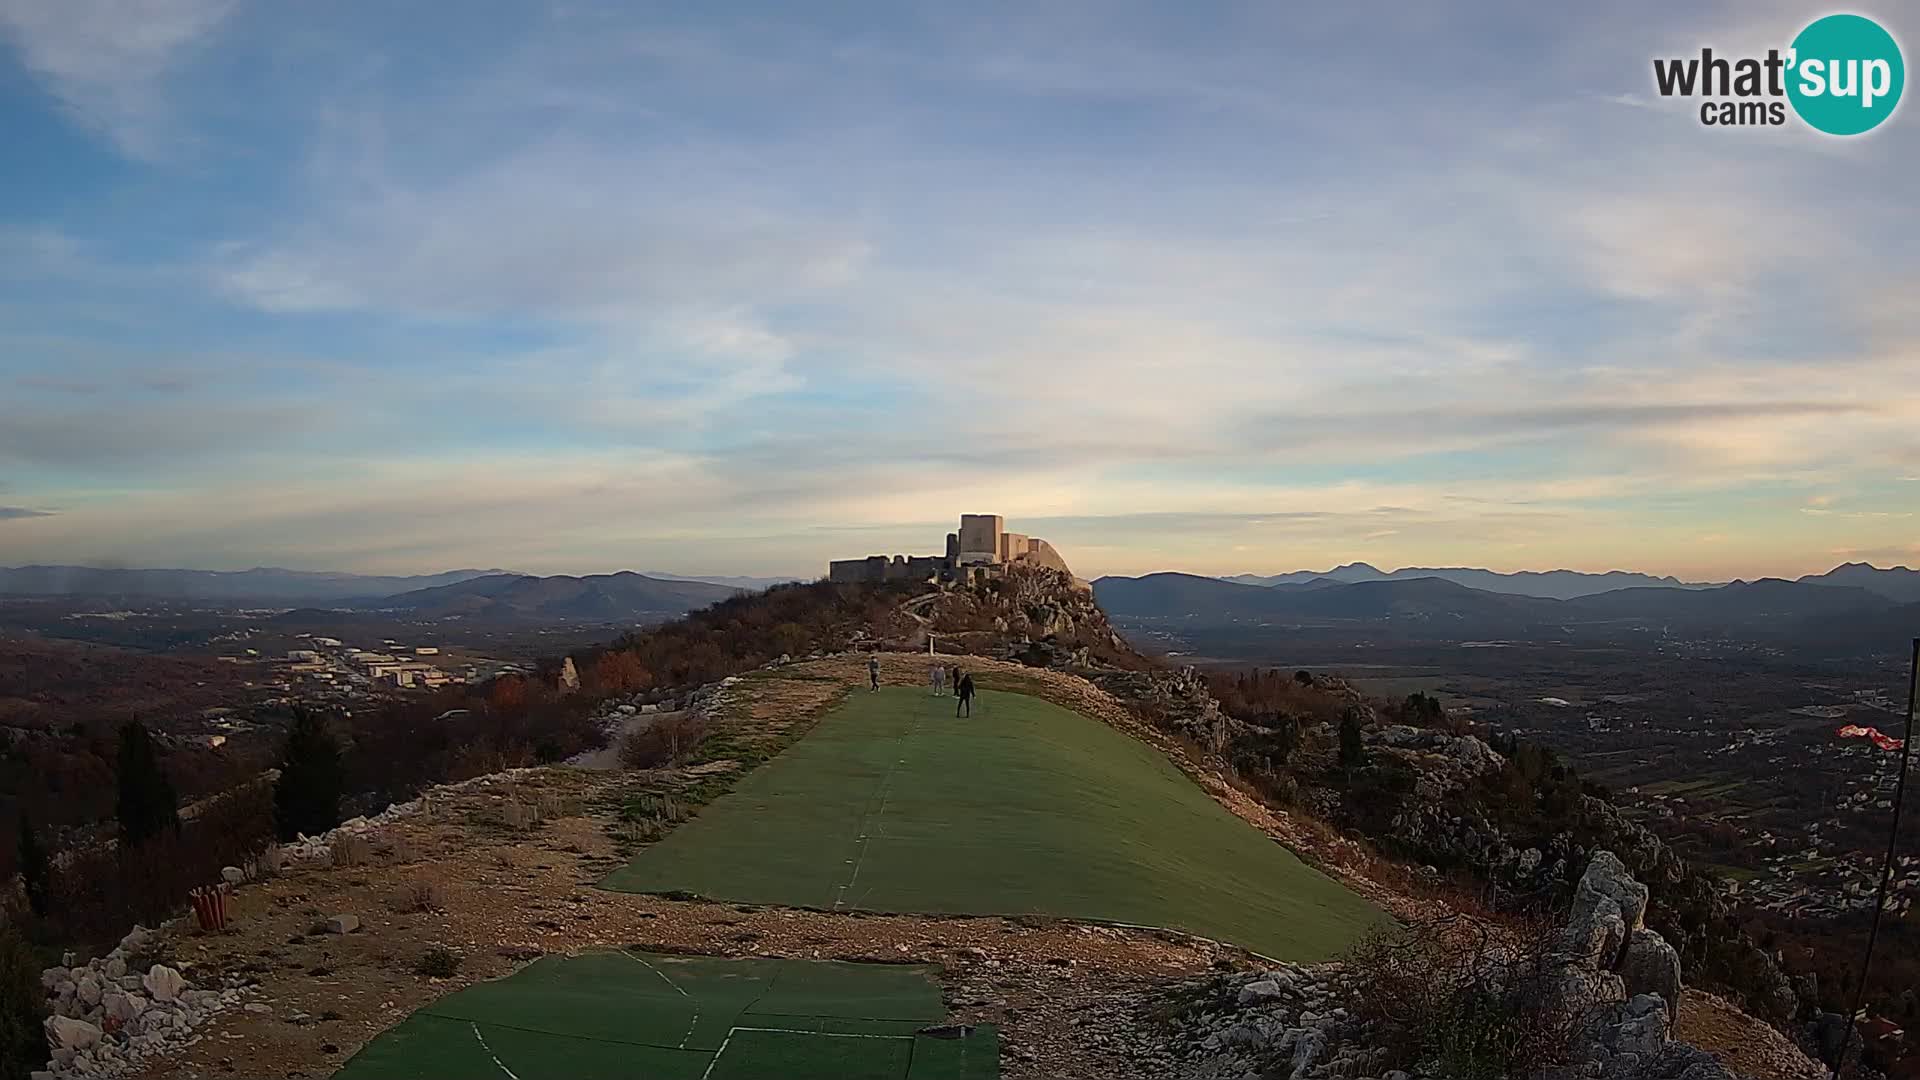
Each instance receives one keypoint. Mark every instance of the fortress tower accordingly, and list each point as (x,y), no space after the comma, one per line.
(982,541)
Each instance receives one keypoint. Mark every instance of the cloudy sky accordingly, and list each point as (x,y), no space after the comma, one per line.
(722,288)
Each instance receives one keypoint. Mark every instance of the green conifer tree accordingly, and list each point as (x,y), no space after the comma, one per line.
(34,866)
(147,802)
(306,798)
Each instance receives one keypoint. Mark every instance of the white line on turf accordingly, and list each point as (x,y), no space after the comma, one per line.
(496,1059)
(731,1032)
(874,819)
(691,1024)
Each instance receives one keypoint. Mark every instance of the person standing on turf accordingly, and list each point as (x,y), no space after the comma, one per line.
(873,673)
(953,677)
(937,678)
(965,689)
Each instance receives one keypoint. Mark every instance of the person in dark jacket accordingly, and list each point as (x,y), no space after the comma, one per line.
(873,672)
(965,689)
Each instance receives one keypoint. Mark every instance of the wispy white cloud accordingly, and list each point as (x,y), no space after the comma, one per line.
(107,60)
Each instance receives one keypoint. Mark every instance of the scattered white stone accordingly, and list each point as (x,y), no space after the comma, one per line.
(66,1033)
(345,923)
(1259,992)
(233,875)
(164,983)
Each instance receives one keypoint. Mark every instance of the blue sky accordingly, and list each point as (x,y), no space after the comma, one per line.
(736,289)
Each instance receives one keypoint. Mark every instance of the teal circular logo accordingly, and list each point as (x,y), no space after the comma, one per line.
(1845,74)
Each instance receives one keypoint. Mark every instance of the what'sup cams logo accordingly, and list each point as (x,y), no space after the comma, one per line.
(1842,75)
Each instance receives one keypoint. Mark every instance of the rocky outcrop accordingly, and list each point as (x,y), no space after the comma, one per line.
(1603,979)
(1287,1021)
(1619,982)
(107,1018)
(1648,965)
(1175,701)
(1035,614)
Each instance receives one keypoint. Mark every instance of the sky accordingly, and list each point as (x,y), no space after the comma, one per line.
(739,288)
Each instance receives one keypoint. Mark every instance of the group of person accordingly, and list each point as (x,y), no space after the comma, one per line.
(937,677)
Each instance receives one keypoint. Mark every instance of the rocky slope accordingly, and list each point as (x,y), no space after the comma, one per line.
(1072,1001)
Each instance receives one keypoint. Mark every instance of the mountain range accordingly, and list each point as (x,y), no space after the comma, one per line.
(1550,584)
(625,595)
(266,585)
(1898,583)
(1814,608)
(738,582)
(269,586)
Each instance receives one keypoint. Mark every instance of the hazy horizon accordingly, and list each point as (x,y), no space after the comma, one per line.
(808,575)
(1230,289)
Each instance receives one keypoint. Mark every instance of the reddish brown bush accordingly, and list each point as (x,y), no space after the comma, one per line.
(666,742)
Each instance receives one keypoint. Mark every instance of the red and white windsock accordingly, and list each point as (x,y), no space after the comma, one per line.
(1884,742)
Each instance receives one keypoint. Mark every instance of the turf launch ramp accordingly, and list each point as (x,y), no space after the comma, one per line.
(891,804)
(633,1015)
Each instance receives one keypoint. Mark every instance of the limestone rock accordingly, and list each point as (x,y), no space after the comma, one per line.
(1678,1061)
(1608,905)
(1651,966)
(1608,877)
(343,924)
(66,1033)
(1255,993)
(164,983)
(1475,754)
(123,1007)
(233,875)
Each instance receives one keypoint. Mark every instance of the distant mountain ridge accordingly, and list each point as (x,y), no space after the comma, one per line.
(616,597)
(737,582)
(1438,608)
(1548,584)
(264,584)
(1896,583)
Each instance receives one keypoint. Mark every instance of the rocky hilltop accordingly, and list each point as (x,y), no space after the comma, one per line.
(1542,934)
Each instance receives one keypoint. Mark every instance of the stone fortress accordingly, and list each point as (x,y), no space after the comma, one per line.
(982,547)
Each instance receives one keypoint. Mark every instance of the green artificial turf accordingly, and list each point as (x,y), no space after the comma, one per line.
(641,1016)
(891,804)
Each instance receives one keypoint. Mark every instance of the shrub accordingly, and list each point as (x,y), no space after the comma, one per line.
(266,865)
(515,814)
(1353,752)
(350,850)
(306,798)
(147,803)
(23,1008)
(665,742)
(651,807)
(34,868)
(1449,998)
(438,962)
(417,896)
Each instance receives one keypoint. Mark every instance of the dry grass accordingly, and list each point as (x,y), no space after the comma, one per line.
(351,850)
(418,896)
